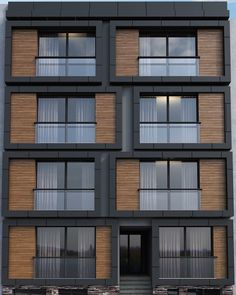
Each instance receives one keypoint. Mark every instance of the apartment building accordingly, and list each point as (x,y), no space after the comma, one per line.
(117,170)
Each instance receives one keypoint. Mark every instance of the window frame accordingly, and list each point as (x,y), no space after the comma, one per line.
(168,35)
(168,174)
(66,99)
(65,256)
(168,109)
(65,174)
(40,34)
(185,241)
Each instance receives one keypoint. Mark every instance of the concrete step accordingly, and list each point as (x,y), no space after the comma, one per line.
(135,285)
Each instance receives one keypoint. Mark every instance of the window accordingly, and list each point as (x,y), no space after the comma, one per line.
(204,292)
(66,54)
(65,186)
(173,292)
(65,252)
(30,292)
(186,252)
(172,55)
(66,120)
(169,185)
(169,119)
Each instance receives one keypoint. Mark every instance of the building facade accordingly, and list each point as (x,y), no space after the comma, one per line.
(117,170)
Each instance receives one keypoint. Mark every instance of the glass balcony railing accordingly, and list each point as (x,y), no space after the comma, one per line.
(65,66)
(177,132)
(60,199)
(187,267)
(174,199)
(168,66)
(60,132)
(64,267)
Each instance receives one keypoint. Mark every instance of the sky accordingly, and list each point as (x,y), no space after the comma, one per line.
(231,3)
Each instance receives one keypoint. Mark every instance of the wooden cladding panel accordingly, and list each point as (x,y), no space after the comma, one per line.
(220,251)
(22,249)
(24,51)
(213,184)
(22,181)
(103,252)
(210,50)
(211,116)
(127,184)
(106,118)
(127,52)
(23,116)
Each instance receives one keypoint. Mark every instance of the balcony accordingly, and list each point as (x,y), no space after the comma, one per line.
(64,267)
(162,132)
(60,199)
(174,199)
(61,132)
(168,66)
(64,66)
(187,267)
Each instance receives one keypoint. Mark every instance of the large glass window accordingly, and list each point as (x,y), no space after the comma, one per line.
(169,185)
(167,55)
(66,54)
(66,120)
(65,252)
(65,186)
(168,119)
(185,252)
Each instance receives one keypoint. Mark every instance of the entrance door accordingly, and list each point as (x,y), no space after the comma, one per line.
(132,254)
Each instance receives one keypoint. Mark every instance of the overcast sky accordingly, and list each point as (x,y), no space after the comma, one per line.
(231,3)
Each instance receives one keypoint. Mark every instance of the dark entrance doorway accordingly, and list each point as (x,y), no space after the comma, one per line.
(134,253)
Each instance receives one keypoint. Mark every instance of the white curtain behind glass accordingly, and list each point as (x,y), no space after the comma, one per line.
(49,242)
(184,175)
(171,244)
(153,110)
(48,47)
(153,183)
(47,179)
(198,243)
(183,110)
(86,252)
(85,112)
(48,111)
(145,50)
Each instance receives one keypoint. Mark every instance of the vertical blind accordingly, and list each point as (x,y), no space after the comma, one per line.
(185,252)
(74,120)
(169,185)
(65,252)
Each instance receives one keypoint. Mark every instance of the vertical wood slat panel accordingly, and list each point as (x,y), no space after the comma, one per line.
(210,50)
(23,116)
(127,52)
(106,118)
(127,184)
(103,252)
(22,181)
(213,184)
(211,116)
(220,251)
(22,249)
(24,51)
